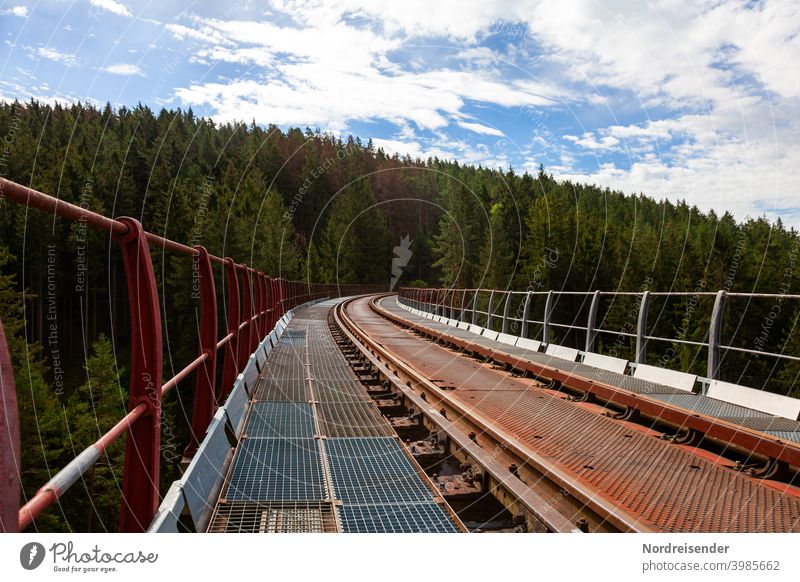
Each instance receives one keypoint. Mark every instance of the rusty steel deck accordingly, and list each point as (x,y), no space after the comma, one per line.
(669,487)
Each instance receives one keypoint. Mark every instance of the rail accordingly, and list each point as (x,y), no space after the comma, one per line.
(255,303)
(463,305)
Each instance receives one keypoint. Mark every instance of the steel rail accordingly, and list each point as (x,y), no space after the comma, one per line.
(537,505)
(726,433)
(621,520)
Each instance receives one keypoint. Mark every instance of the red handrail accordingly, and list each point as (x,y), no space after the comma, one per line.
(250,317)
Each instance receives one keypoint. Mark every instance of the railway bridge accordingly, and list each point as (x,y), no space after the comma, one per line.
(345,408)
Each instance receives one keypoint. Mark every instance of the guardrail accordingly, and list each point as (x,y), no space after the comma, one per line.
(491,308)
(255,302)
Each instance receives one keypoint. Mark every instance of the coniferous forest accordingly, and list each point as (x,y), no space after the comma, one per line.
(306,205)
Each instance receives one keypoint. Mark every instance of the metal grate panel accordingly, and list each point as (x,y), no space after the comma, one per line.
(707,406)
(764,423)
(413,518)
(352,419)
(374,471)
(276,517)
(280,419)
(339,392)
(785,435)
(286,365)
(293,338)
(286,390)
(277,469)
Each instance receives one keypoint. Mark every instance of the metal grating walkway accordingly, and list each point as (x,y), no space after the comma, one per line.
(274,517)
(277,469)
(315,454)
(417,518)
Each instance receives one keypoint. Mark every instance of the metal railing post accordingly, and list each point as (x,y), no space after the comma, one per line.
(262,281)
(461,310)
(205,376)
(475,307)
(253,335)
(9,443)
(141,477)
(548,313)
(247,319)
(489,314)
(591,321)
(270,303)
(526,311)
(714,336)
(230,364)
(505,312)
(280,298)
(275,302)
(641,329)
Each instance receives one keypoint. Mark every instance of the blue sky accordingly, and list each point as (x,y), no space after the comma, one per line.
(681,100)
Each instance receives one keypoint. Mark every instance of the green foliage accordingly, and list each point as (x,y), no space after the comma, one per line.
(93,408)
(355,243)
(311,206)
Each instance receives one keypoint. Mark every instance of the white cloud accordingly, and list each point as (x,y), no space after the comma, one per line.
(717,84)
(479,128)
(124,69)
(52,54)
(444,149)
(449,18)
(111,6)
(21,11)
(308,71)
(743,160)
(588,141)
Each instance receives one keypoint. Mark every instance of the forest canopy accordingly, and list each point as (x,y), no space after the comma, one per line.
(302,204)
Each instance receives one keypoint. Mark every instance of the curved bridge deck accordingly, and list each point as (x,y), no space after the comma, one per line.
(315,455)
(667,486)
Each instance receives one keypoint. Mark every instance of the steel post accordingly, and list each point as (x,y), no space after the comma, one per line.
(591,322)
(141,477)
(247,319)
(714,336)
(9,443)
(205,376)
(526,311)
(230,364)
(548,314)
(504,328)
(641,329)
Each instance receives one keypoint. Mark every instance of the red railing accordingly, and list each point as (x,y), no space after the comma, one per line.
(255,303)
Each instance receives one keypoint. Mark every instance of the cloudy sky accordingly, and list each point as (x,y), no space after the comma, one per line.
(697,100)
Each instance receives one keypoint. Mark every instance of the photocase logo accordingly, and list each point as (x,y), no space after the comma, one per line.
(402,254)
(31,555)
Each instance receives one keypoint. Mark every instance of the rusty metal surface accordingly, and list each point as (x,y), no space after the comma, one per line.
(671,488)
(723,430)
(629,383)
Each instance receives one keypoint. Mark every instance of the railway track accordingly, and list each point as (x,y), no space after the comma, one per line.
(556,465)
